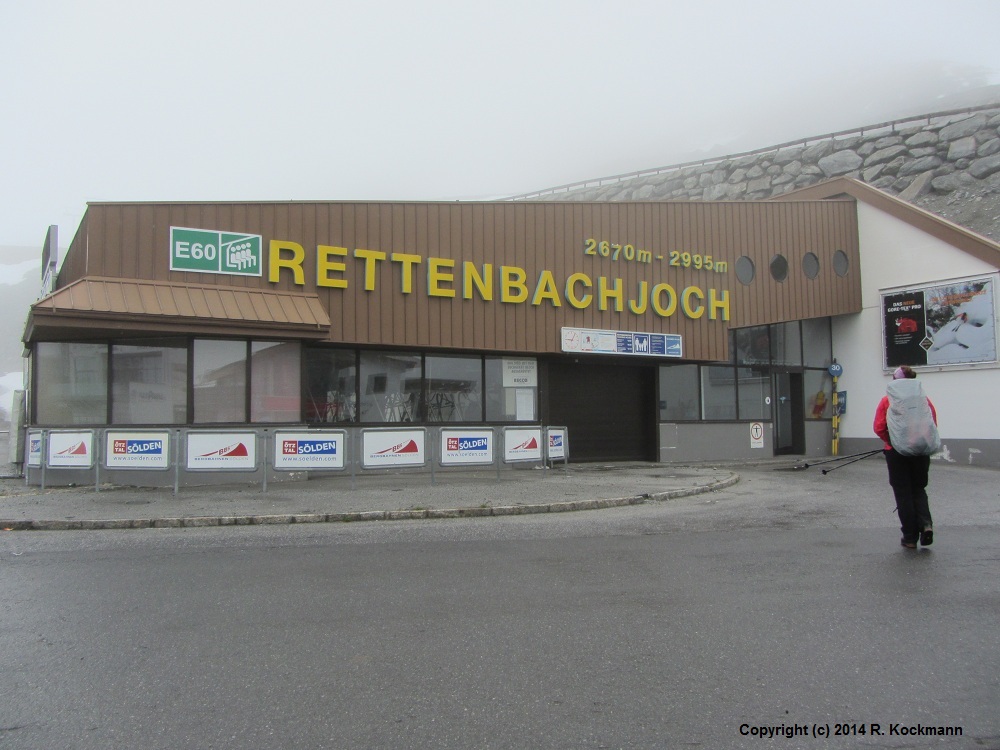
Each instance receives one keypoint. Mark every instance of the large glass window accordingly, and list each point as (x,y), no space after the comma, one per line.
(330,385)
(511,390)
(275,387)
(786,344)
(149,383)
(679,393)
(817,349)
(72,383)
(754,385)
(718,388)
(390,387)
(219,381)
(453,389)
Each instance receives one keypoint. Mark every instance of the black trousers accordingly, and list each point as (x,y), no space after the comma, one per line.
(908,479)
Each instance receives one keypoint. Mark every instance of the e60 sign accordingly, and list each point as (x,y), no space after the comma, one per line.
(208,251)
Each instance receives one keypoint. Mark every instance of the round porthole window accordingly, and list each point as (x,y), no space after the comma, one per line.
(779,268)
(744,270)
(841,265)
(810,265)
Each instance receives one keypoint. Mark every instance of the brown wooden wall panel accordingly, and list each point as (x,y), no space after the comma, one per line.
(131,241)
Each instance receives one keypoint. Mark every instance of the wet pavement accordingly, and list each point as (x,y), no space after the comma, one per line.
(365,497)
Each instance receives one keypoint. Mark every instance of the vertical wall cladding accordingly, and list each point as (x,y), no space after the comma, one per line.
(664,255)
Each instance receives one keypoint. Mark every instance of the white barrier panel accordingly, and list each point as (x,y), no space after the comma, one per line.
(33,446)
(385,448)
(522,444)
(556,443)
(137,450)
(221,451)
(466,447)
(71,450)
(316,449)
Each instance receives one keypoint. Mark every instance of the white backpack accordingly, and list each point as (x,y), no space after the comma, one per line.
(912,431)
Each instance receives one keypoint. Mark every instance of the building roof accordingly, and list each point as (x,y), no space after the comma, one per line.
(960,237)
(104,305)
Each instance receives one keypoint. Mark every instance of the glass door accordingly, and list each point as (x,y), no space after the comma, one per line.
(788,413)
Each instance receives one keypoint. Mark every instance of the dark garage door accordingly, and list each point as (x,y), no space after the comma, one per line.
(608,409)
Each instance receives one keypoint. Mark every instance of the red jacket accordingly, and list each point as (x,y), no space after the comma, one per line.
(882,428)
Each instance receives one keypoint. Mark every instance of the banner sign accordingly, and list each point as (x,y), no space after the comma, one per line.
(556,443)
(466,447)
(384,448)
(221,451)
(137,450)
(34,449)
(946,324)
(309,450)
(71,450)
(522,444)
(593,341)
(208,251)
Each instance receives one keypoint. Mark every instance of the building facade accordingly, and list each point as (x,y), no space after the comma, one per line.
(652,331)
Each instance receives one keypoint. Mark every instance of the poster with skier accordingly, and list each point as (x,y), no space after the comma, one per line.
(945,324)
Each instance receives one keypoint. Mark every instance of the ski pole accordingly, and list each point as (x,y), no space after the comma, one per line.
(807,465)
(853,461)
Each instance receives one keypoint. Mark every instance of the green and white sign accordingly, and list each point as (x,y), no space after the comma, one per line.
(208,251)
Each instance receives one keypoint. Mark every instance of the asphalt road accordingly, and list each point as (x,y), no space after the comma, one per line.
(783,602)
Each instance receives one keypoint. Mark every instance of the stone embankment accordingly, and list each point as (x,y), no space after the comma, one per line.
(947,163)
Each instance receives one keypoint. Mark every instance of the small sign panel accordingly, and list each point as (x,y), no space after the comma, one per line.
(757,435)
(556,444)
(71,450)
(137,450)
(309,450)
(34,449)
(595,341)
(385,448)
(522,444)
(466,447)
(221,451)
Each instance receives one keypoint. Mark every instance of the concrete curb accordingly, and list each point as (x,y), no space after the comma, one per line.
(357,516)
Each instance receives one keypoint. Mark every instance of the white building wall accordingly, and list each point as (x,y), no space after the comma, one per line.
(896,254)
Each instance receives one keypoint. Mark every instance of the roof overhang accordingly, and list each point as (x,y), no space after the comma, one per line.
(106,307)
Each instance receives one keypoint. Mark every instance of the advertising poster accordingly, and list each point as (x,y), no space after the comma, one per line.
(137,450)
(594,341)
(221,451)
(522,444)
(309,450)
(946,324)
(466,447)
(71,450)
(385,448)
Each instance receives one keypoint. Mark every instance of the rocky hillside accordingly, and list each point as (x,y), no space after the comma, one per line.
(947,163)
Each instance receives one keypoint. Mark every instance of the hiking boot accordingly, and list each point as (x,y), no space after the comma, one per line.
(908,545)
(927,536)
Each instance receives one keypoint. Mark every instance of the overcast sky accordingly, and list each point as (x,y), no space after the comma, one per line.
(325,100)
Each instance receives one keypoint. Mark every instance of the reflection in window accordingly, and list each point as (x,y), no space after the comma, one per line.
(219,381)
(453,389)
(390,387)
(330,385)
(718,388)
(818,394)
(786,345)
(149,384)
(754,386)
(72,383)
(506,401)
(750,346)
(275,393)
(678,393)
(817,349)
